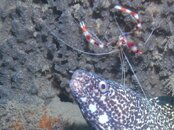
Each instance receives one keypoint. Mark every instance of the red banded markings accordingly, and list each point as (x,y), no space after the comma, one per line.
(122,41)
(134,48)
(135,15)
(131,45)
(89,37)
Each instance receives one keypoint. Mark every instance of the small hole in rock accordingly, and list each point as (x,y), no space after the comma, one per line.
(40,1)
(64,62)
(49,55)
(60,55)
(57,43)
(64,98)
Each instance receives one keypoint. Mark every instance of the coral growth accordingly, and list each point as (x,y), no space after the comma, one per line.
(17,125)
(49,122)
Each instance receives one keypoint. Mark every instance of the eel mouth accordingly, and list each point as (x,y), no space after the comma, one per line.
(77,82)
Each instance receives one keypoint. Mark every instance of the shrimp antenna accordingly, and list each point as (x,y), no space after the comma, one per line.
(84,52)
(122,33)
(76,49)
(134,74)
(154,28)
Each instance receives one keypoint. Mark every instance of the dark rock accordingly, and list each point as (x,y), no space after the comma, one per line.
(4,77)
(4,95)
(34,88)
(21,31)
(3,14)
(17,77)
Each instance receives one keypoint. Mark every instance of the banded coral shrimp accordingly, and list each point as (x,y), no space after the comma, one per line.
(64,27)
(122,41)
(102,51)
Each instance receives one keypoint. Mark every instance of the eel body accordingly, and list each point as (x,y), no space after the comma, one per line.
(108,105)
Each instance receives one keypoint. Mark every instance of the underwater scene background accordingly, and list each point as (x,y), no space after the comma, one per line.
(42,44)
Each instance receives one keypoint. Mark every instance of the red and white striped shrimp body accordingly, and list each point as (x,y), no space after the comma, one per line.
(134,48)
(122,39)
(131,45)
(135,15)
(88,36)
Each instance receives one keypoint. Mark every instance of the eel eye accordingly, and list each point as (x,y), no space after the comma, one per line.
(103,86)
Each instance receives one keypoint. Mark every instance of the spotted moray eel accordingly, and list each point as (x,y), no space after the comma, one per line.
(108,105)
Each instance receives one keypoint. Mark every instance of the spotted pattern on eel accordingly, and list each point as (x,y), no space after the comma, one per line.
(108,105)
